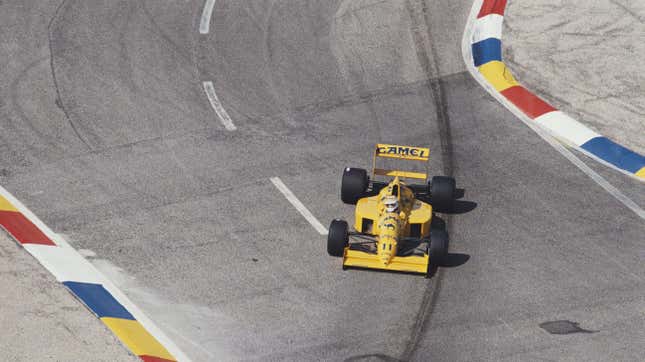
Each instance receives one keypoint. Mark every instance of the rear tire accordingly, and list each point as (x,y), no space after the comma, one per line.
(337,238)
(442,193)
(354,185)
(438,248)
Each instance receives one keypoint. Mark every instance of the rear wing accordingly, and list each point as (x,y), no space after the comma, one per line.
(404,153)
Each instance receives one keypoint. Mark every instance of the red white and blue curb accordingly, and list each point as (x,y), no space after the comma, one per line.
(482,51)
(86,283)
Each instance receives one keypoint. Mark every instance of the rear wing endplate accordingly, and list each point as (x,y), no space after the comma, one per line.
(403,153)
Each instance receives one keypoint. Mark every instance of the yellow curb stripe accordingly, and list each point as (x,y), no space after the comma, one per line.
(136,338)
(640,173)
(5,205)
(498,75)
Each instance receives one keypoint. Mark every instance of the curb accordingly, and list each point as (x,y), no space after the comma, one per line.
(139,334)
(482,51)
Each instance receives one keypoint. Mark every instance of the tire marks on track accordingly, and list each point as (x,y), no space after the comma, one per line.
(429,62)
(59,99)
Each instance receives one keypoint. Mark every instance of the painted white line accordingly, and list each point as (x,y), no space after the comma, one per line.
(63,262)
(217,106)
(205,22)
(466,52)
(299,206)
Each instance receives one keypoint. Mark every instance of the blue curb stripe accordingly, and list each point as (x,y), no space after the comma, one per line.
(99,300)
(615,154)
(486,51)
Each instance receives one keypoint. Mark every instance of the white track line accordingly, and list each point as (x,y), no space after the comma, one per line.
(217,106)
(205,22)
(467,56)
(299,206)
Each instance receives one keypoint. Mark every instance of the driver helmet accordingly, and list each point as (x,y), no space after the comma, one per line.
(391,203)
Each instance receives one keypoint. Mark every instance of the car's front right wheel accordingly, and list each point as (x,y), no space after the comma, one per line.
(438,248)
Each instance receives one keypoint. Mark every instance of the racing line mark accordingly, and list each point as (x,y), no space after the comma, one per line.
(298,205)
(217,106)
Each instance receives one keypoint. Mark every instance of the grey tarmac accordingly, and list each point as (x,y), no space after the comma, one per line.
(181,213)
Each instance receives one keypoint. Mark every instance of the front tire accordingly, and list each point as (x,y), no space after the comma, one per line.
(337,238)
(438,248)
(354,185)
(442,193)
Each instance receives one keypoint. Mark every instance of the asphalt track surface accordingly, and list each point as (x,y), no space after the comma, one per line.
(112,142)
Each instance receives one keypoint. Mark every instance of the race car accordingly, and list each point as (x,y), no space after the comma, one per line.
(393,219)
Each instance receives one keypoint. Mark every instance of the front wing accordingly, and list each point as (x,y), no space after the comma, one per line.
(361,259)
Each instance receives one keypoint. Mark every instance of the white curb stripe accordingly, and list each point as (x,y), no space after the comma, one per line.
(566,127)
(65,263)
(490,26)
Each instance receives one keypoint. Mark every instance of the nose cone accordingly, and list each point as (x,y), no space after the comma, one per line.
(386,258)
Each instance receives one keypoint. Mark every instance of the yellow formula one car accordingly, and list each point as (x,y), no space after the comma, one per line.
(393,219)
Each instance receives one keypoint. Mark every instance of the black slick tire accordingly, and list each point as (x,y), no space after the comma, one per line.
(442,193)
(354,185)
(438,248)
(337,238)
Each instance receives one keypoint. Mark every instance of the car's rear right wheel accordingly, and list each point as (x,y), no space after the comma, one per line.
(442,193)
(337,238)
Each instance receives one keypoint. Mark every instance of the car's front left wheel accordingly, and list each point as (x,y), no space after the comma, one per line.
(338,238)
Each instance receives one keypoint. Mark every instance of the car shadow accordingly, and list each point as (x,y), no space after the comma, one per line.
(462,207)
(452,260)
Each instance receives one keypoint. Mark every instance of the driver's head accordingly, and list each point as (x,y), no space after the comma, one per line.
(391,203)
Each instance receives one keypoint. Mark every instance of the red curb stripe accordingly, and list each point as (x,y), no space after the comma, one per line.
(528,102)
(492,7)
(23,230)
(154,359)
